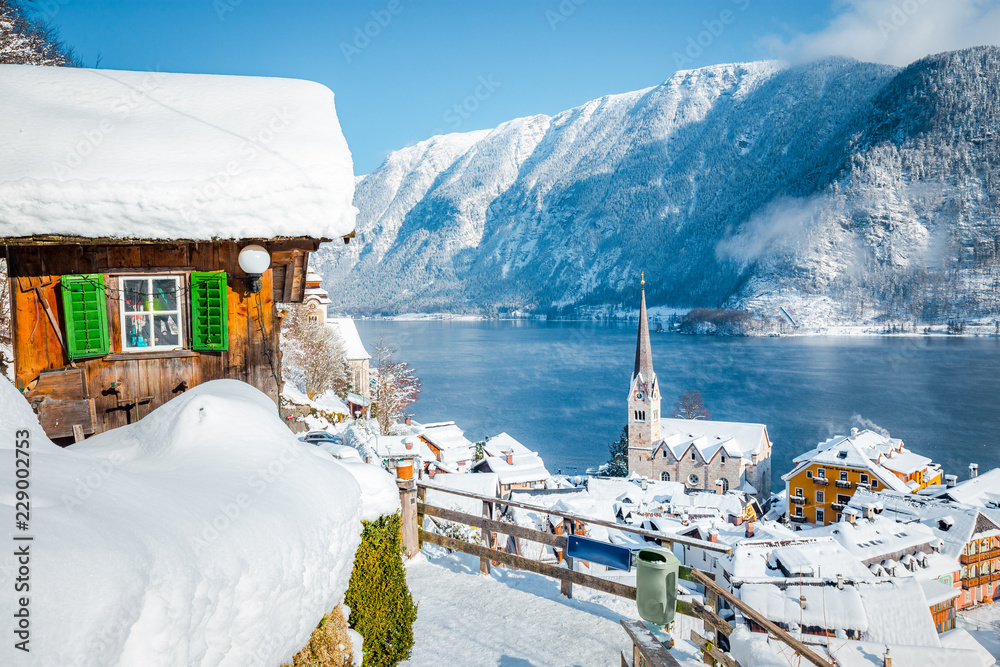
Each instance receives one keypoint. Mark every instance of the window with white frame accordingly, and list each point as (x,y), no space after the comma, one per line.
(152,310)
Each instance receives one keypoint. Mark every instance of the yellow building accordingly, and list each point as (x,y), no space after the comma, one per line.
(825,478)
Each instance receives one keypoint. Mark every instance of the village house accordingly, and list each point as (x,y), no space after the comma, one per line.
(452,451)
(701,454)
(825,478)
(151,226)
(357,358)
(969,536)
(517,467)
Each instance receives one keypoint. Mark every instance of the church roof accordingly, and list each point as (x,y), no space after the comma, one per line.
(643,351)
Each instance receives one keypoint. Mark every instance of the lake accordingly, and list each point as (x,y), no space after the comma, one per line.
(561,387)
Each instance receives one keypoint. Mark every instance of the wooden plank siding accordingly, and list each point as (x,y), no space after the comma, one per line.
(120,377)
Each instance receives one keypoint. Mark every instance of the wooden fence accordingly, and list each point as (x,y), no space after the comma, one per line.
(647,649)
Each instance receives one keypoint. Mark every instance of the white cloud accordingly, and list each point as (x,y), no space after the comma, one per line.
(895,31)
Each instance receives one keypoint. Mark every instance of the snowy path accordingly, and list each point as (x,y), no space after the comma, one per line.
(509,619)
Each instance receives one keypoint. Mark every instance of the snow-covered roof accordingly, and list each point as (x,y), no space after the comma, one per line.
(982,490)
(859,451)
(525,465)
(798,557)
(354,349)
(871,541)
(316,294)
(445,435)
(825,606)
(733,439)
(158,156)
(954,524)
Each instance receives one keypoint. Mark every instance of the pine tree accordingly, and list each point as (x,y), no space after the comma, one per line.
(617,465)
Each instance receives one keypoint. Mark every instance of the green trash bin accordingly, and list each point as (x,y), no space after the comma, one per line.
(656,573)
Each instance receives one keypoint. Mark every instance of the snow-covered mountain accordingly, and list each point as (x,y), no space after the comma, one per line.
(841,191)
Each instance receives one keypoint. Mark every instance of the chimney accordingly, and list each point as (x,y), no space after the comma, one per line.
(973,470)
(510,457)
(854,432)
(718,487)
(644,484)
(851,515)
(870,512)
(886,659)
(951,481)
(407,421)
(749,526)
(713,535)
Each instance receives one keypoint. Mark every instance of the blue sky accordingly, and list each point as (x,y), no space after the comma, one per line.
(403,70)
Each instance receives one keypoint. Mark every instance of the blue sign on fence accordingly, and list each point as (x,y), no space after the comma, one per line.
(596,551)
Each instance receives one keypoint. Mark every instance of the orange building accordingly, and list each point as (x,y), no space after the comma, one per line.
(824,479)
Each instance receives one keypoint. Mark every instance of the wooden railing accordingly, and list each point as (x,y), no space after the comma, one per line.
(647,650)
(966,559)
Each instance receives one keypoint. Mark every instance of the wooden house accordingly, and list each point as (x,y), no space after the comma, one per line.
(150,223)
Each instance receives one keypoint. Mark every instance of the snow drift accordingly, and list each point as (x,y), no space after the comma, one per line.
(204,534)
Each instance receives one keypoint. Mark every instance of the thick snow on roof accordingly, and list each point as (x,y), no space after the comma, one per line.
(708,437)
(152,155)
(857,451)
(803,556)
(872,541)
(982,490)
(203,534)
(445,435)
(825,606)
(354,349)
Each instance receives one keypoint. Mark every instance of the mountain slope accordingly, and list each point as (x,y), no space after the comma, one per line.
(841,191)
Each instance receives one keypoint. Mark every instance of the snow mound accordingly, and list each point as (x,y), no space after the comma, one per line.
(152,155)
(204,534)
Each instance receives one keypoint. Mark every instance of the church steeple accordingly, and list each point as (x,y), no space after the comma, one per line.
(643,400)
(643,353)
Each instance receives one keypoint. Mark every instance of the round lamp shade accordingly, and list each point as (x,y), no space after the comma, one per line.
(254,260)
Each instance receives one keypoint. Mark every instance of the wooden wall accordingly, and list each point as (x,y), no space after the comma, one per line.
(116,382)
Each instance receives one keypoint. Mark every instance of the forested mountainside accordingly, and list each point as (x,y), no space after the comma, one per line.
(841,191)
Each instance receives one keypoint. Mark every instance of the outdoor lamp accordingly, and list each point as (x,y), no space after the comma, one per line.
(254,261)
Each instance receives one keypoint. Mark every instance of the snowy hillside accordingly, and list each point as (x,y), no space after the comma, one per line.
(845,192)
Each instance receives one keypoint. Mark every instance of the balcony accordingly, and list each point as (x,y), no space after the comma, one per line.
(979,581)
(822,481)
(843,484)
(798,500)
(979,557)
(797,519)
(837,507)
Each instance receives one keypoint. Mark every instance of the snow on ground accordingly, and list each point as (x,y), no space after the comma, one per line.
(205,534)
(510,618)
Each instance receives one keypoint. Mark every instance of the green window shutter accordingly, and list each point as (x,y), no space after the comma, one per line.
(86,315)
(209,313)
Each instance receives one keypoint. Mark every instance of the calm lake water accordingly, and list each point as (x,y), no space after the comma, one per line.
(560,387)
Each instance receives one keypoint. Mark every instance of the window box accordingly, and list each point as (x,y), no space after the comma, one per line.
(843,484)
(822,481)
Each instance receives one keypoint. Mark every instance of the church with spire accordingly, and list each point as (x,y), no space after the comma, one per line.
(701,454)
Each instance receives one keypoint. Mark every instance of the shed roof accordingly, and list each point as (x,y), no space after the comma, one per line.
(152,156)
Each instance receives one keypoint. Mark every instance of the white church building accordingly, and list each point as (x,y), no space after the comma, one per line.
(702,454)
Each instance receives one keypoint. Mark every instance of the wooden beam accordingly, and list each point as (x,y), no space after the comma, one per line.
(625,528)
(698,610)
(557,541)
(522,563)
(645,643)
(712,650)
(760,619)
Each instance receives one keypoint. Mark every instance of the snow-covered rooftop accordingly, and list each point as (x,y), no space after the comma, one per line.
(735,439)
(158,156)
(354,349)
(860,451)
(982,490)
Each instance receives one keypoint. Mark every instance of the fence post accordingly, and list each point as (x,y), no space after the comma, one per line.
(566,587)
(408,505)
(484,563)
